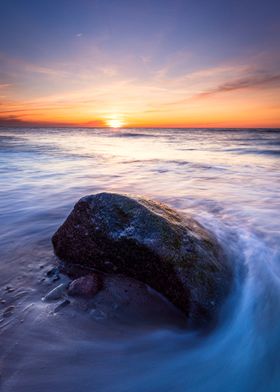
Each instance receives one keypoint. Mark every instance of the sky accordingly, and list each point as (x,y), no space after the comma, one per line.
(164,63)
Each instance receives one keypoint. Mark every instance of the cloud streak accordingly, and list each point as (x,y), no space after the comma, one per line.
(240,84)
(17,121)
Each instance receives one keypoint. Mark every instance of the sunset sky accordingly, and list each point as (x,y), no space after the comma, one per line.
(170,63)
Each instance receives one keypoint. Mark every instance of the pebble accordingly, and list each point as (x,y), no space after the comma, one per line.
(61,305)
(98,314)
(8,311)
(10,289)
(85,286)
(55,293)
(53,272)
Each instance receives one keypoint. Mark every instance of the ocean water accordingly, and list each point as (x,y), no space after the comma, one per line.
(229,180)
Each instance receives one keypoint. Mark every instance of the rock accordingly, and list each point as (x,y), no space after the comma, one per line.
(56,293)
(61,305)
(8,311)
(133,302)
(98,314)
(85,286)
(54,274)
(148,241)
(10,289)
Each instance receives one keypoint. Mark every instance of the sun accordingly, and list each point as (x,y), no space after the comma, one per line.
(114,123)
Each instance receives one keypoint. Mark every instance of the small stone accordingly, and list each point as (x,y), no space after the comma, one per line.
(61,305)
(98,314)
(53,272)
(8,311)
(86,286)
(56,293)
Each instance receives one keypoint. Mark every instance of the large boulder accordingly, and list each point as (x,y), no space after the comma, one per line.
(152,243)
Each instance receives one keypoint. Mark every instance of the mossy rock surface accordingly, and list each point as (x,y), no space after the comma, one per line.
(150,242)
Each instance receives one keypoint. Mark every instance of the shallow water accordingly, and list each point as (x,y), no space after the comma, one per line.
(228,179)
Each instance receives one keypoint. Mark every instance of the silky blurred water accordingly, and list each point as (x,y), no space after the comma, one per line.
(228,179)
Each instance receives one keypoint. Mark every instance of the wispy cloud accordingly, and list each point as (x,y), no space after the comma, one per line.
(240,84)
(4,85)
(109,71)
(22,66)
(17,121)
(13,121)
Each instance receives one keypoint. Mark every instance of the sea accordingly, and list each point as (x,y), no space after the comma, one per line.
(227,179)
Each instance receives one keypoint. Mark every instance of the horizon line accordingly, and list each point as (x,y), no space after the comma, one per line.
(159,127)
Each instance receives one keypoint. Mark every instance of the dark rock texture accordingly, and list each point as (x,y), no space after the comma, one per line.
(148,241)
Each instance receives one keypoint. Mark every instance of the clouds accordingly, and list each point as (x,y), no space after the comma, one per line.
(250,82)
(17,121)
(10,120)
(15,66)
(4,85)
(92,87)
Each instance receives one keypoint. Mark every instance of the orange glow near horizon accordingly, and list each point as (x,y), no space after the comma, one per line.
(224,96)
